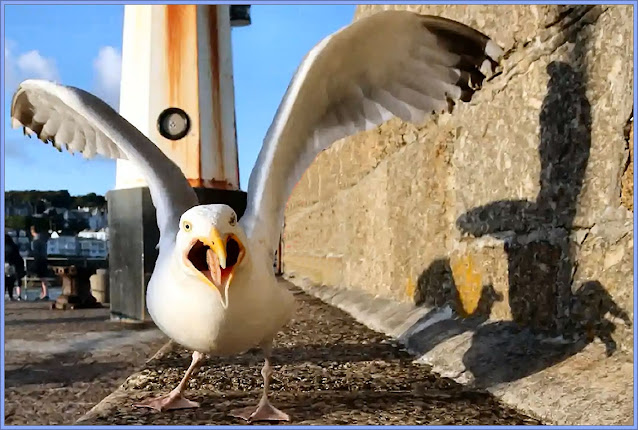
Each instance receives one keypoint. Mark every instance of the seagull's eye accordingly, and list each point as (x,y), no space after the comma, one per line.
(187,226)
(232,220)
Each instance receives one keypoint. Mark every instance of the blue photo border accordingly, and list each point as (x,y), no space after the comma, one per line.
(315,2)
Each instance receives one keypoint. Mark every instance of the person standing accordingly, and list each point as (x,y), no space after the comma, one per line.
(40,261)
(13,265)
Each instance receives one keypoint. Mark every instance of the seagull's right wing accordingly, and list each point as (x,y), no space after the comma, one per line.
(82,122)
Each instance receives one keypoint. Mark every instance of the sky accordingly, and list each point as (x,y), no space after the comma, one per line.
(81,46)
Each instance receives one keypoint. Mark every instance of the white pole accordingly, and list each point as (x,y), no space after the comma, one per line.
(180,57)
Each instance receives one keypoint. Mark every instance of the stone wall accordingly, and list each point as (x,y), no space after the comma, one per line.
(517,206)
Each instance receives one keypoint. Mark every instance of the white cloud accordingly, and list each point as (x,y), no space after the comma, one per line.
(26,65)
(10,79)
(108,74)
(33,64)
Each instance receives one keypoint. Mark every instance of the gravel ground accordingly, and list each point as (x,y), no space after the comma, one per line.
(59,364)
(329,370)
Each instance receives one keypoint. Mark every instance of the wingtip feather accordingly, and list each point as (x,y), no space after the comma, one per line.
(493,51)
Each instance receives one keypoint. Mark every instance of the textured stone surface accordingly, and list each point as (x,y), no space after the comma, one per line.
(627,196)
(58,364)
(517,206)
(604,285)
(523,23)
(563,381)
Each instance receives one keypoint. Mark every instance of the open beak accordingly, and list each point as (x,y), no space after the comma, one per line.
(214,259)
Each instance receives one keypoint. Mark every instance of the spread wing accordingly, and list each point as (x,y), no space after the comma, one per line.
(393,63)
(72,118)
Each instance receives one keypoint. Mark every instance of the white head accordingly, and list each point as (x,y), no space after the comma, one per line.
(211,244)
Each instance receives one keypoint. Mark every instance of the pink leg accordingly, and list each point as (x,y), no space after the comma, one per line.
(264,411)
(175,399)
(45,290)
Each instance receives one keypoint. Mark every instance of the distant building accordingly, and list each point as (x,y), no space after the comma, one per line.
(63,245)
(25,246)
(20,238)
(98,219)
(100,235)
(19,209)
(90,244)
(75,215)
(51,211)
(93,248)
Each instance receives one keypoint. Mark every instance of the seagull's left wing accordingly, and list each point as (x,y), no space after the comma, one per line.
(80,121)
(393,63)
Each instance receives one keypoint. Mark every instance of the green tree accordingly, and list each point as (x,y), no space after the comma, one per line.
(90,200)
(61,199)
(16,222)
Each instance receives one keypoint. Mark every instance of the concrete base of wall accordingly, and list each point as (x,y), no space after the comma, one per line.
(561,381)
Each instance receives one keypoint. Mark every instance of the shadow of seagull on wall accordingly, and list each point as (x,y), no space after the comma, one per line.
(549,322)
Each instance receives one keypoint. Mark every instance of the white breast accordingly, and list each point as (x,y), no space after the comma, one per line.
(190,312)
(186,311)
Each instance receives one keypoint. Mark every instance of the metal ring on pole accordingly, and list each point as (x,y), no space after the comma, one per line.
(173,123)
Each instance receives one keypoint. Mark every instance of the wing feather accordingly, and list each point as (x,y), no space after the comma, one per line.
(76,119)
(393,63)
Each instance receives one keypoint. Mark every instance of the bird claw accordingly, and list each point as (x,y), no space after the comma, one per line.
(168,402)
(262,412)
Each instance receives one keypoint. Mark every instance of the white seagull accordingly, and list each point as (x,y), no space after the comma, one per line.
(213,289)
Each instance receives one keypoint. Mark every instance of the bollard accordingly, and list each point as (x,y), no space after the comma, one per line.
(76,293)
(100,286)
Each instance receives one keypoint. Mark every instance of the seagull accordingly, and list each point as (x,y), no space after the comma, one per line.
(213,289)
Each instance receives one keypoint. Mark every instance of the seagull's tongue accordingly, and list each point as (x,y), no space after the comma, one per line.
(214,271)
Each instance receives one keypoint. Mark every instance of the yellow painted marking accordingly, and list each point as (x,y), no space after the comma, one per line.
(468,282)
(410,288)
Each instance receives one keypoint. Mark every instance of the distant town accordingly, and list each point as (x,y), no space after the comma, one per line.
(77,226)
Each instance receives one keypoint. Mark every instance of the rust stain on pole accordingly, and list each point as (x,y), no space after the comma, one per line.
(175,28)
(182,80)
(216,87)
